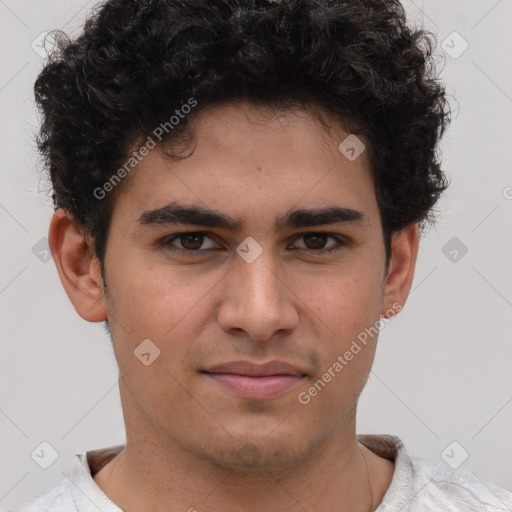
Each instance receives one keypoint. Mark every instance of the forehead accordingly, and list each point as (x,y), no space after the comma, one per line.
(251,162)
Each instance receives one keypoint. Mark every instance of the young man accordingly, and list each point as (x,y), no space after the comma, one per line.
(239,190)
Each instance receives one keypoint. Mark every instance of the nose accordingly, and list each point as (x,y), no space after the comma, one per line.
(258,301)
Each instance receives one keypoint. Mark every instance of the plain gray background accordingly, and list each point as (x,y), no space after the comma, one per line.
(443,367)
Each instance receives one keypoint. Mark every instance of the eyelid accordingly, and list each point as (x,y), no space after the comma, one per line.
(166,242)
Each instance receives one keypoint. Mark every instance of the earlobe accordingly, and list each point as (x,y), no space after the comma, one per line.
(78,268)
(399,278)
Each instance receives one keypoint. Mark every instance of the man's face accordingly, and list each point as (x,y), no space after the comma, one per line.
(212,305)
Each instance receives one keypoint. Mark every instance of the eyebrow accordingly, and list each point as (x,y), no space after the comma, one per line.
(175,213)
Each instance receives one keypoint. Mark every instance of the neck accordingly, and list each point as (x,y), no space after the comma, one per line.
(145,477)
(156,473)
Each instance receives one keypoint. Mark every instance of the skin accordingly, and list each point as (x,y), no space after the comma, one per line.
(190,442)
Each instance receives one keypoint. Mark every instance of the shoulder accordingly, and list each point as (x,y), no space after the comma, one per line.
(57,498)
(420,484)
(78,492)
(438,487)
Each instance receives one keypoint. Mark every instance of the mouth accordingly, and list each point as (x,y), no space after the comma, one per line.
(256,381)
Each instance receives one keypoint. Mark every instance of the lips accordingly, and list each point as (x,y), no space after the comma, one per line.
(256,381)
(256,370)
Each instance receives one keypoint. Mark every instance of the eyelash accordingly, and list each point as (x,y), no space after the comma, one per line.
(166,242)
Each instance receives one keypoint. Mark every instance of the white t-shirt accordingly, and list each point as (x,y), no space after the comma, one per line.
(418,485)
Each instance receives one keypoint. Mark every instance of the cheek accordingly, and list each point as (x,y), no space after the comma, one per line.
(159,295)
(343,302)
(331,395)
(160,303)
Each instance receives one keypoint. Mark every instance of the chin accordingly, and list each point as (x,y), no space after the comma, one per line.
(251,455)
(269,451)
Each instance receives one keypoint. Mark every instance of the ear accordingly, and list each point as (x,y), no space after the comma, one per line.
(404,250)
(78,268)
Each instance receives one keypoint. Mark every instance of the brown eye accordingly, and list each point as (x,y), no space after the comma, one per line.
(315,243)
(192,241)
(315,240)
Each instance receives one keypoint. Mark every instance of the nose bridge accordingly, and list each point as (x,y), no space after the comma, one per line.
(259,280)
(257,300)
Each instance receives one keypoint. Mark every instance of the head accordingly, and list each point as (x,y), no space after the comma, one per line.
(229,119)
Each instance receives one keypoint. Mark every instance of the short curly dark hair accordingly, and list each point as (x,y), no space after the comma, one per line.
(138,61)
